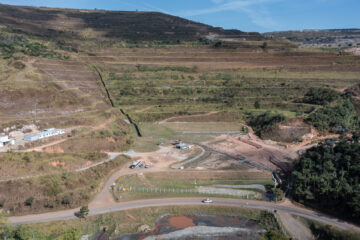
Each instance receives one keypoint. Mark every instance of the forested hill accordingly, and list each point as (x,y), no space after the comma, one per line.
(98,24)
(327,177)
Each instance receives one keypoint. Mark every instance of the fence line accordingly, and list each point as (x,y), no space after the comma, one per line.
(122,189)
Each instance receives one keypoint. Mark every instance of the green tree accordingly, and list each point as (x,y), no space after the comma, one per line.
(84,211)
(265,121)
(273,235)
(29,201)
(4,223)
(321,96)
(328,176)
(257,104)
(264,46)
(279,194)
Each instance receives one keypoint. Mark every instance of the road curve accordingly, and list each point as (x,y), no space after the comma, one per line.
(69,214)
(104,203)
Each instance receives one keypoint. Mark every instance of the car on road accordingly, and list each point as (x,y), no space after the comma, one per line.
(207,200)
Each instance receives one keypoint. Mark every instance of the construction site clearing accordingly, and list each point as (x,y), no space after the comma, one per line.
(217,151)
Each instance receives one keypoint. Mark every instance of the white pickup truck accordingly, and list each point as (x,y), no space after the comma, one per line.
(207,200)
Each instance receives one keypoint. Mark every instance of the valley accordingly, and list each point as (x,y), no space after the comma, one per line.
(200,113)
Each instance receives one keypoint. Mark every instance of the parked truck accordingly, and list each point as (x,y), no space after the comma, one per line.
(135,164)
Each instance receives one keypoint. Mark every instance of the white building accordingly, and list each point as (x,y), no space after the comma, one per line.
(44,134)
(5,140)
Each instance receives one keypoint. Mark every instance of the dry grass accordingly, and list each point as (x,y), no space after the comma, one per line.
(56,191)
(15,165)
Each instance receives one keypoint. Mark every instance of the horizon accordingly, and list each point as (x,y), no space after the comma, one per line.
(256,15)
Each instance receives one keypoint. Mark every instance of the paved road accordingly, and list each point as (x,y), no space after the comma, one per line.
(104,203)
(69,214)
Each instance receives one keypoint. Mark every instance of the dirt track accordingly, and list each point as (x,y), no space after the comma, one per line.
(293,226)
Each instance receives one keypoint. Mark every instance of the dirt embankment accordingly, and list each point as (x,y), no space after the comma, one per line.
(290,131)
(253,149)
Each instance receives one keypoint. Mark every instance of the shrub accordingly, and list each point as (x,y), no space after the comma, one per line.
(67,200)
(218,44)
(29,201)
(321,96)
(52,186)
(257,104)
(265,121)
(84,211)
(19,65)
(328,232)
(2,203)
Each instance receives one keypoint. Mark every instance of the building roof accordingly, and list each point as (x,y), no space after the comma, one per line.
(4,139)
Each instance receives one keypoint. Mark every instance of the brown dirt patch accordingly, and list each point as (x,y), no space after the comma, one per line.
(58,164)
(56,149)
(255,150)
(181,222)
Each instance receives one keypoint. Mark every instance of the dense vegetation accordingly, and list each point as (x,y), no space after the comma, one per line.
(336,114)
(265,121)
(339,118)
(330,233)
(18,43)
(321,96)
(327,177)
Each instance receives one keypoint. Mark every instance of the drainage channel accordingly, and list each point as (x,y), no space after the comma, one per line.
(113,105)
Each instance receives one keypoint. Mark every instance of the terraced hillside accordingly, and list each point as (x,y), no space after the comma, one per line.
(61,51)
(48,88)
(160,82)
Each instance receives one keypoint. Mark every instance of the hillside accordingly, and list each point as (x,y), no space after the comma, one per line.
(100,25)
(102,75)
(53,64)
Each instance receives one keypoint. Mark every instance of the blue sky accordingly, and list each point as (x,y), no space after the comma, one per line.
(246,15)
